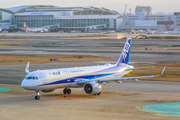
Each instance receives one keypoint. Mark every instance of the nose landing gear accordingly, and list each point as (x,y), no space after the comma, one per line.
(68,91)
(38,95)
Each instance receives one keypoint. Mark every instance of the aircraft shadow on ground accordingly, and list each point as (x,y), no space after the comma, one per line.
(68,97)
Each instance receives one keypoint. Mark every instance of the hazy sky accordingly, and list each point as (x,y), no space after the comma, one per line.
(165,6)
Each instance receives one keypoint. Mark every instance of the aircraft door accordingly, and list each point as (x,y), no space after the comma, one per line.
(68,76)
(44,77)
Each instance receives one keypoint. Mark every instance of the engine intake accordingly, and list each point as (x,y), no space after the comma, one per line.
(92,88)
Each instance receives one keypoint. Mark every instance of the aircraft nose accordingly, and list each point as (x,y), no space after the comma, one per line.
(26,85)
(23,84)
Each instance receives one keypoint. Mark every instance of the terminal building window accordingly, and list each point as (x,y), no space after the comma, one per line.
(4,21)
(114,23)
(0,15)
(69,23)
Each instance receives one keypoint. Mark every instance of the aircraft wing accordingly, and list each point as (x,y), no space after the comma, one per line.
(119,79)
(83,81)
(132,78)
(139,68)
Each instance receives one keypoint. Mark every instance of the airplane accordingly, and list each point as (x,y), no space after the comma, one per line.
(34,29)
(90,78)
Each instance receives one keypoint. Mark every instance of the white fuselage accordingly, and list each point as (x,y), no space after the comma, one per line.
(70,77)
(36,30)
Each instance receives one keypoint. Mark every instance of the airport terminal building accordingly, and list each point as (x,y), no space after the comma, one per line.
(56,18)
(65,18)
(143,19)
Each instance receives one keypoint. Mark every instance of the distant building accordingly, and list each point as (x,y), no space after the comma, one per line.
(66,18)
(162,17)
(146,9)
(144,19)
(176,21)
(5,19)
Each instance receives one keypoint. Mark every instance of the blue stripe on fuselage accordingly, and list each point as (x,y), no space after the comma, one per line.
(111,71)
(73,79)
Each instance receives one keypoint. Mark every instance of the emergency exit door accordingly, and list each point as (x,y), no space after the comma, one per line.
(44,77)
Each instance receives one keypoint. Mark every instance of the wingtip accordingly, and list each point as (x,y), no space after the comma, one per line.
(27,67)
(164,70)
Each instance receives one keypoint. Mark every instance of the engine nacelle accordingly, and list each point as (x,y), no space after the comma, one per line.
(46,91)
(92,88)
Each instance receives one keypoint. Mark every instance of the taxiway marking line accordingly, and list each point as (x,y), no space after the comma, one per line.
(9,115)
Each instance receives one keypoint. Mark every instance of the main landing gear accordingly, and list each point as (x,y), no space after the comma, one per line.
(38,95)
(67,91)
(97,93)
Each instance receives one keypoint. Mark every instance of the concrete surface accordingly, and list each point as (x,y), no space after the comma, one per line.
(117,101)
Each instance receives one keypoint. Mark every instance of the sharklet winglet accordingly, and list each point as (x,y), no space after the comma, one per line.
(164,70)
(27,68)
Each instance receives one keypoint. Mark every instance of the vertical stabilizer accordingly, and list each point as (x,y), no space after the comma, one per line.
(25,26)
(125,55)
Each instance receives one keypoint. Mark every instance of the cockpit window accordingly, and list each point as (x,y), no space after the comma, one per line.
(32,78)
(29,77)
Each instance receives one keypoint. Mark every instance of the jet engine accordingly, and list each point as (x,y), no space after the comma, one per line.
(92,88)
(46,91)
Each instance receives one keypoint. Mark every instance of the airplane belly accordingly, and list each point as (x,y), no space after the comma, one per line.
(75,85)
(55,86)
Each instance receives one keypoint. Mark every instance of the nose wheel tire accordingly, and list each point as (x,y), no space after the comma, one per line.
(37,97)
(67,91)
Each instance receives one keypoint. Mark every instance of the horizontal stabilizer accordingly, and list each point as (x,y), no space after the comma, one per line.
(139,68)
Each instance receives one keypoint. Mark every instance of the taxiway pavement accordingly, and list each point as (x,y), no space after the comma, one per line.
(117,101)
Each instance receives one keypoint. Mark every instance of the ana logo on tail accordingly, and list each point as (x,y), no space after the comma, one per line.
(125,54)
(126,50)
